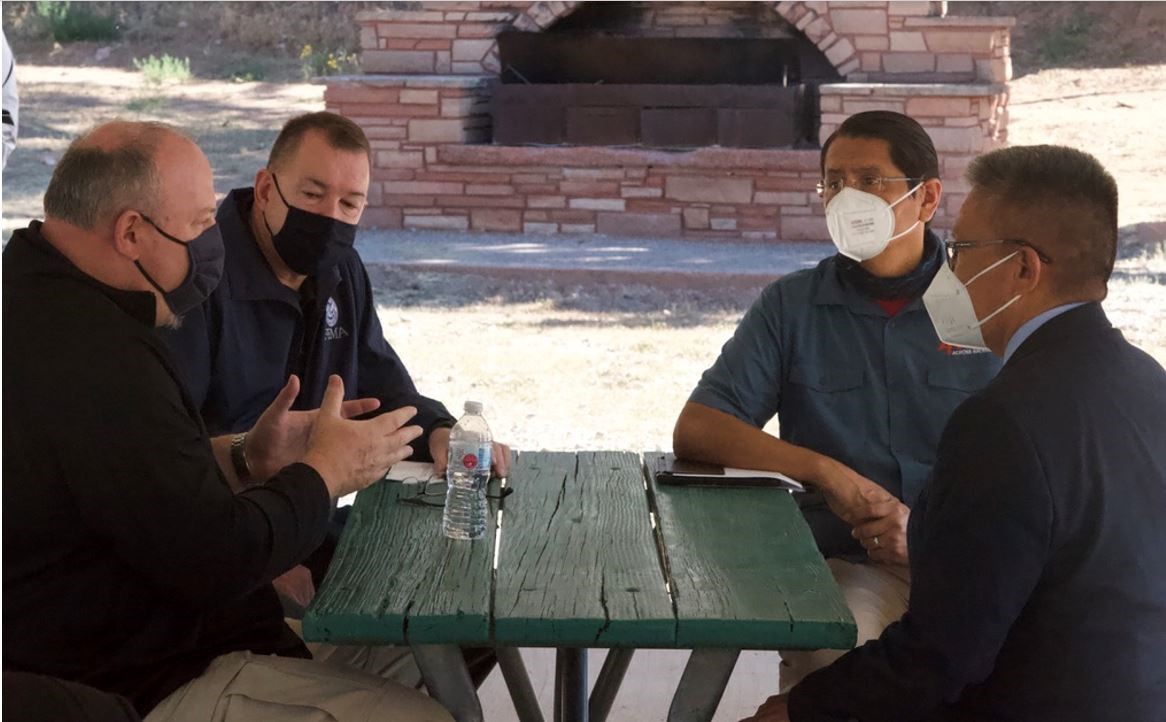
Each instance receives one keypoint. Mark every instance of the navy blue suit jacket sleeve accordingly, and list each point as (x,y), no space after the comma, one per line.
(979,540)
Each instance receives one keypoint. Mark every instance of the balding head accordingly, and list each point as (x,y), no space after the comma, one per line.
(124,205)
(112,168)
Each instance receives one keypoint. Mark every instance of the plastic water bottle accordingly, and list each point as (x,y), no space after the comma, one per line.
(470,450)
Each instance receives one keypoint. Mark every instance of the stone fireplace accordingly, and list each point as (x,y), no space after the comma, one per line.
(669,119)
(615,74)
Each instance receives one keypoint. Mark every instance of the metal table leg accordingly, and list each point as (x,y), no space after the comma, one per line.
(607,686)
(448,680)
(571,684)
(518,682)
(702,685)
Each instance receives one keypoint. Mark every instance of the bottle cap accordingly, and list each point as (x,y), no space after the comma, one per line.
(473,407)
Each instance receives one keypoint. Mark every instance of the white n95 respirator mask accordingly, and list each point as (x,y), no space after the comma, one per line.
(951,310)
(861,224)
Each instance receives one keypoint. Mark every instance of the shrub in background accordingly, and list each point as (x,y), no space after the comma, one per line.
(164,69)
(68,22)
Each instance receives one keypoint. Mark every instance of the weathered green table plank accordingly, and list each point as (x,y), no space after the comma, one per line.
(744,570)
(578,565)
(396,579)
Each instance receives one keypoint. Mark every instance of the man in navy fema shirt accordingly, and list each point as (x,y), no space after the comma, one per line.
(295,300)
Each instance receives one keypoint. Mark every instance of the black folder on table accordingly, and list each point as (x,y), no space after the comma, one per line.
(697,473)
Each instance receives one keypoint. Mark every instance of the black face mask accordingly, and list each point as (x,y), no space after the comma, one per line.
(309,242)
(205,254)
(909,286)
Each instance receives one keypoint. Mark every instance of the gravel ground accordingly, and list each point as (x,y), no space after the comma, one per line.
(599,367)
(594,366)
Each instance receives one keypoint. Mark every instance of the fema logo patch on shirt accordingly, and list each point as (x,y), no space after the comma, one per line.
(332,331)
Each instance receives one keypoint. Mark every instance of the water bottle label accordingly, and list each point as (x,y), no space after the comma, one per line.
(481,461)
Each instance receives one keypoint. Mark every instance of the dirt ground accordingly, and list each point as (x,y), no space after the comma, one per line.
(591,367)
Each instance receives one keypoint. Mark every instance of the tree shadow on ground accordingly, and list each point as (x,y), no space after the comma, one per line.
(1141,256)
(597,305)
(1141,253)
(51,119)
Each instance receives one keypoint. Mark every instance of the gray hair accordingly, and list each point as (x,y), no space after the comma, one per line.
(1067,197)
(92,183)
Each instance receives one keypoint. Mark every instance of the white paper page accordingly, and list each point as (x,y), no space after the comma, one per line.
(411,472)
(746,473)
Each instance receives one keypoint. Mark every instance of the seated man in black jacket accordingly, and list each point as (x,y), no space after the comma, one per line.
(130,563)
(1037,590)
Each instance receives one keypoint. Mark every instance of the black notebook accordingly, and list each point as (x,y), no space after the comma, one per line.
(681,471)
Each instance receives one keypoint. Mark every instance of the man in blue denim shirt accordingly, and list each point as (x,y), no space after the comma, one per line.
(845,356)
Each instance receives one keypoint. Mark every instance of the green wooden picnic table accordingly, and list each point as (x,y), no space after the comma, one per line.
(588,551)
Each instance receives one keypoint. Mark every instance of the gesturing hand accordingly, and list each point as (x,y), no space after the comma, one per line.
(352,454)
(280,436)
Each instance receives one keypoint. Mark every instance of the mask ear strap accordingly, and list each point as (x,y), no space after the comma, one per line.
(900,235)
(989,317)
(142,270)
(278,189)
(989,268)
(263,213)
(158,228)
(900,198)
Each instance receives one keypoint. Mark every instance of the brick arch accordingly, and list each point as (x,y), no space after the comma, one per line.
(816,26)
(812,23)
(541,15)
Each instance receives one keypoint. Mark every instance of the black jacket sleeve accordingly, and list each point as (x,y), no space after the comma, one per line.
(382,374)
(980,539)
(148,483)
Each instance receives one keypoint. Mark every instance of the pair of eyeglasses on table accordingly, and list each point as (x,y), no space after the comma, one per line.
(431,491)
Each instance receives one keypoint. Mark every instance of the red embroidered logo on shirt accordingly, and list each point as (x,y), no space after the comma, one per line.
(950,350)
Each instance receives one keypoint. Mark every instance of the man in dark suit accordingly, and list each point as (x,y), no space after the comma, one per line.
(1037,553)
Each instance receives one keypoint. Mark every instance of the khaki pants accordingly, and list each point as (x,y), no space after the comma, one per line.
(341,684)
(877,595)
(384,661)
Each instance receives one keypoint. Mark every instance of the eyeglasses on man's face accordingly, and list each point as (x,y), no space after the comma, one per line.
(953,247)
(867,183)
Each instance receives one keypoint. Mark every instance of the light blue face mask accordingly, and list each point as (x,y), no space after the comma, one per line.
(949,305)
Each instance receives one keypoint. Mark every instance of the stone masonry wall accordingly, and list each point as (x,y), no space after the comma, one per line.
(963,122)
(429,75)
(866,41)
(692,19)
(726,193)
